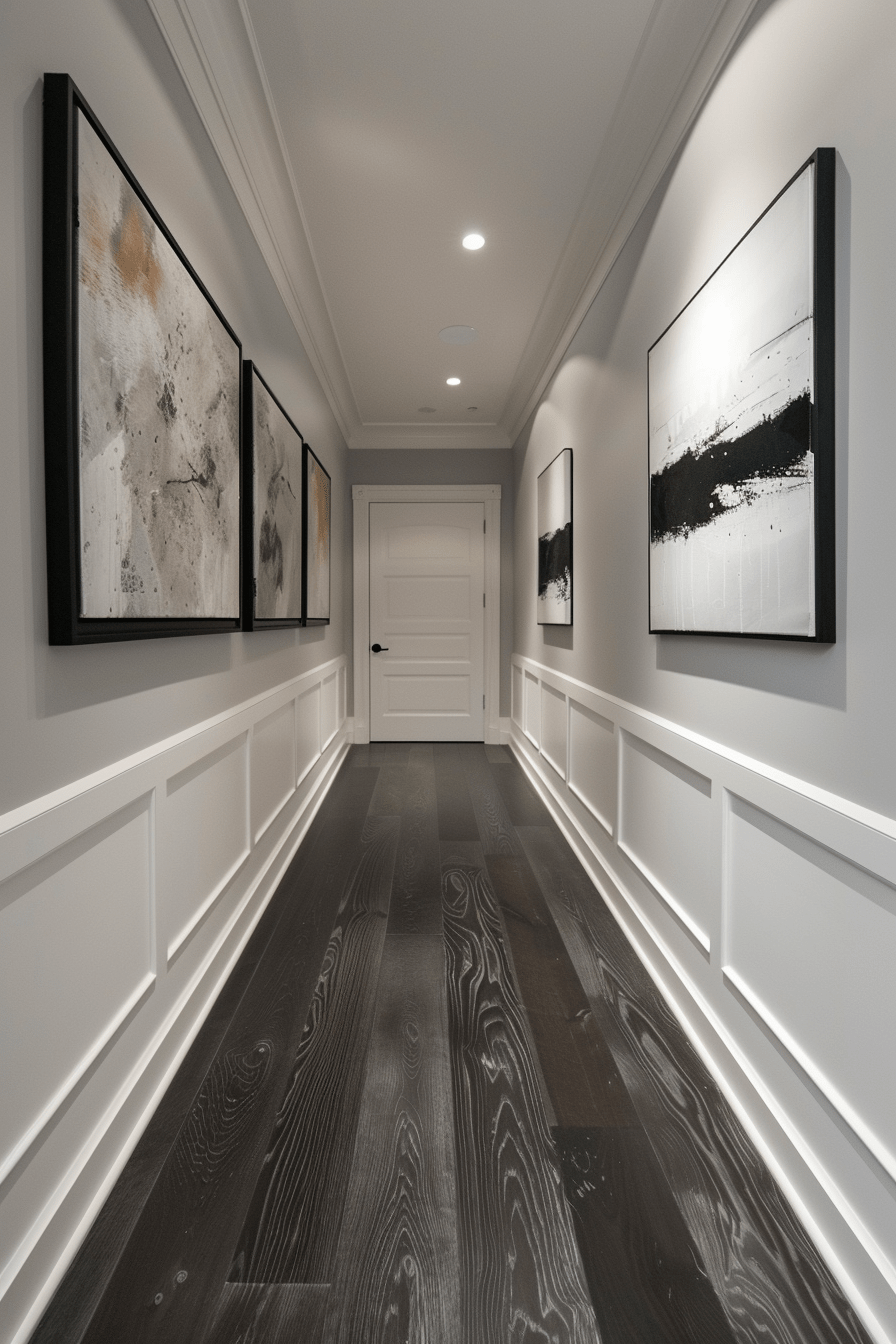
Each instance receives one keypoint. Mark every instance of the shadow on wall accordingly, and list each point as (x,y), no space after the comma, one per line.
(809,672)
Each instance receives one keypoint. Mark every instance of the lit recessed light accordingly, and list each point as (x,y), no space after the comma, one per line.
(473,242)
(452,382)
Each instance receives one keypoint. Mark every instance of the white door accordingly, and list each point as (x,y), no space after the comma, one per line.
(427,587)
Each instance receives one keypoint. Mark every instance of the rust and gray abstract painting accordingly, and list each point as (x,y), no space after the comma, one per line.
(278,509)
(159,406)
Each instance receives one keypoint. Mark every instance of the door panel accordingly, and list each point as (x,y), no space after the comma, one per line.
(427,571)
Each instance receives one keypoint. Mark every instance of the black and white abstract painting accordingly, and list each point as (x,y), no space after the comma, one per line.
(317,552)
(159,381)
(555,541)
(732,430)
(274,451)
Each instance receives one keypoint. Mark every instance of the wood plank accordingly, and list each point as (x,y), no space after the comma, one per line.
(292,1226)
(497,755)
(583,1082)
(768,1276)
(368,754)
(264,1313)
(457,820)
(524,807)
(496,831)
(397,1274)
(647,1282)
(192,1217)
(521,1276)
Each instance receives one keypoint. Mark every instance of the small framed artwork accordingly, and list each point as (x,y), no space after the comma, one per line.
(273,464)
(317,541)
(741,433)
(141,405)
(555,541)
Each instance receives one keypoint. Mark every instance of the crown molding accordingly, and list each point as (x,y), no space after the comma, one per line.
(429,436)
(684,49)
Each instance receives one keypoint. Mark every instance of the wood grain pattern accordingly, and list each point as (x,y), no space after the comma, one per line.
(521,1276)
(191,1219)
(292,1226)
(524,807)
(397,1275)
(496,831)
(263,1313)
(647,1282)
(457,820)
(768,1276)
(580,1073)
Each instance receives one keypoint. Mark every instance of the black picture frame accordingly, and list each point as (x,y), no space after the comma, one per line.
(682,503)
(71,619)
(554,599)
(317,509)
(253,542)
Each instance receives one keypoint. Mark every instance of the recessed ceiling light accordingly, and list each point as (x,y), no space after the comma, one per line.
(458,335)
(473,242)
(472,408)
(452,382)
(426,410)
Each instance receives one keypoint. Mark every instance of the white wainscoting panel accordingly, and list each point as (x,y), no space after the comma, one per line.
(532,708)
(666,829)
(789,901)
(765,909)
(273,765)
(516,695)
(126,898)
(207,837)
(308,739)
(88,904)
(553,728)
(592,762)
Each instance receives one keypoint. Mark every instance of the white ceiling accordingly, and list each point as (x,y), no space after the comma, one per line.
(364,138)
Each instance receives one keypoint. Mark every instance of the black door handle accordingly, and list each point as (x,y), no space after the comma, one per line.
(378,648)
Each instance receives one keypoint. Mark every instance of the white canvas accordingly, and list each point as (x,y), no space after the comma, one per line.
(277,450)
(159,415)
(554,599)
(732,471)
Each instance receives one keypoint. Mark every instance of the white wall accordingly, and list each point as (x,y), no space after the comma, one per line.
(150,792)
(736,799)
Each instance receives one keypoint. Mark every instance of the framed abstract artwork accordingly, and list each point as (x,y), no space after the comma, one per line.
(554,506)
(317,541)
(273,525)
(741,433)
(141,405)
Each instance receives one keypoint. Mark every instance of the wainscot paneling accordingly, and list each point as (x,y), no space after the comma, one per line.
(273,766)
(665,828)
(765,909)
(125,900)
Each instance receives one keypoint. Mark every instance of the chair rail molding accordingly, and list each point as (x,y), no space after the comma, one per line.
(764,907)
(365,495)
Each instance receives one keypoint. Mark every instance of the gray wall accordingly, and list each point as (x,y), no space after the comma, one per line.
(454,467)
(67,711)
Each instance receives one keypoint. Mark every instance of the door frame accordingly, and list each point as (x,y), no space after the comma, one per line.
(487,495)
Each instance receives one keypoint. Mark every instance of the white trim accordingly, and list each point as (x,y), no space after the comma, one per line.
(365,495)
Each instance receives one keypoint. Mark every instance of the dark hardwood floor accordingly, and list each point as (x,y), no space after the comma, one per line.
(440,1100)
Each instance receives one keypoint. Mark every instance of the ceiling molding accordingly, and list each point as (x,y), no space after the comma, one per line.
(628,170)
(430,436)
(214,53)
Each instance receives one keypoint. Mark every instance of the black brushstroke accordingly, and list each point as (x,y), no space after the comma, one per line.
(555,562)
(685,494)
(270,548)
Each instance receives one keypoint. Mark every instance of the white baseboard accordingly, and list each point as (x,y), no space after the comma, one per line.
(136,972)
(715,868)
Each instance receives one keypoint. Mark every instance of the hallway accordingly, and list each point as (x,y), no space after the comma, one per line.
(440,1100)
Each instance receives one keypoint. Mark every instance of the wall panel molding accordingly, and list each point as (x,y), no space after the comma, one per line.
(133,926)
(787,992)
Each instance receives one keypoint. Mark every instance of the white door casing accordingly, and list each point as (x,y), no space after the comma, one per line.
(427,609)
(364,496)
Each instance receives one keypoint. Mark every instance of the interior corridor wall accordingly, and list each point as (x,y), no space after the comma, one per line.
(149,791)
(736,798)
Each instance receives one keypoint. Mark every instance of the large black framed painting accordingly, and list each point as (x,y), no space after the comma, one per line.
(317,541)
(273,465)
(141,405)
(554,508)
(741,433)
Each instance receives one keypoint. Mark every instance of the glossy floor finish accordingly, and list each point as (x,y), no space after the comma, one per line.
(440,1100)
